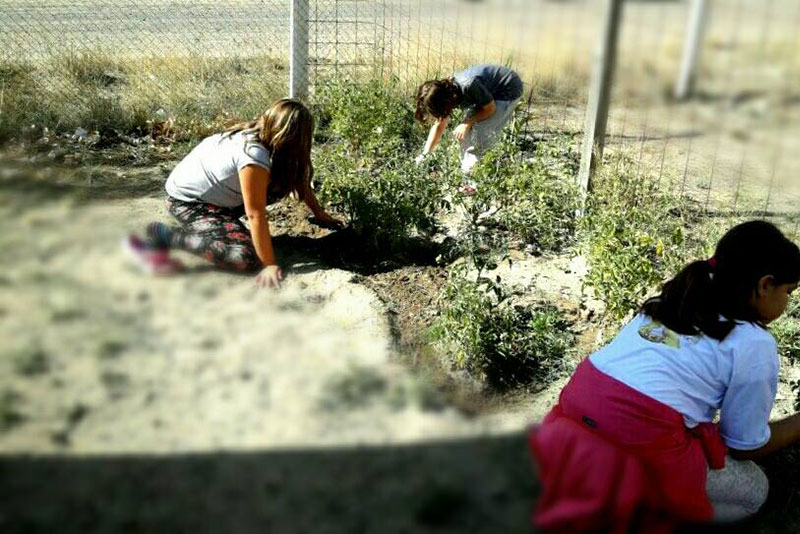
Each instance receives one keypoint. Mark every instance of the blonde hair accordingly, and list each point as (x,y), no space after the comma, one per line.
(286,130)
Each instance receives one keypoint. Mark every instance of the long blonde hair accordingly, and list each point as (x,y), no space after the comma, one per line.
(286,130)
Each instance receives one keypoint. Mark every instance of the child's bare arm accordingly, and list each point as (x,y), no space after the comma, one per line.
(481,115)
(254,181)
(319,212)
(435,135)
(782,434)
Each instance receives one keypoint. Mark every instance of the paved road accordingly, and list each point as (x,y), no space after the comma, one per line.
(32,29)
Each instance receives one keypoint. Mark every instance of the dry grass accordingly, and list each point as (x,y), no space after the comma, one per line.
(99,92)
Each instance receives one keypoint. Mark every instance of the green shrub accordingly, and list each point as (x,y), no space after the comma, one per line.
(371,117)
(532,197)
(787,332)
(385,203)
(635,236)
(484,334)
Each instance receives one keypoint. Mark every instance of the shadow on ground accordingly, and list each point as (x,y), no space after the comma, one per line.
(345,249)
(478,485)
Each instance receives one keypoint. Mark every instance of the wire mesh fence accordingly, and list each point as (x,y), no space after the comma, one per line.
(727,147)
(730,147)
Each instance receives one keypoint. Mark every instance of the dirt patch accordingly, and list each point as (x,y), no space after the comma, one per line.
(102,359)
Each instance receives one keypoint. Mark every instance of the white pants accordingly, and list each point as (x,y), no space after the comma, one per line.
(484,134)
(737,491)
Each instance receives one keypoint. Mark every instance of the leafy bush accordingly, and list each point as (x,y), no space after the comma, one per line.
(385,203)
(366,170)
(532,197)
(787,332)
(635,236)
(490,338)
(370,117)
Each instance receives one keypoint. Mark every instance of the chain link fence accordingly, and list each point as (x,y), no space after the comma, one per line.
(729,147)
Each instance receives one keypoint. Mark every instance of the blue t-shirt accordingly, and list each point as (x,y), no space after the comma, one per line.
(698,375)
(481,84)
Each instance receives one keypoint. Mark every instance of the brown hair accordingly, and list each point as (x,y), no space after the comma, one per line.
(437,98)
(286,130)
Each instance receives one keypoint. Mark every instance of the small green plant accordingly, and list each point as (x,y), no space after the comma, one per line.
(635,236)
(530,196)
(385,204)
(486,335)
(371,117)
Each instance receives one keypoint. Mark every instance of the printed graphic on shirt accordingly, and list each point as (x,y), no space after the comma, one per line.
(658,333)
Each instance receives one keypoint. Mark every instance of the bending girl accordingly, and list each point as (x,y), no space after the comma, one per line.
(228,175)
(489,93)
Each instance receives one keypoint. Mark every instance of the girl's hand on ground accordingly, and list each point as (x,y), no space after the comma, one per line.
(419,159)
(270,277)
(461,131)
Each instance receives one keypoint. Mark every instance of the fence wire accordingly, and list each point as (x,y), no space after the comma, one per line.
(731,147)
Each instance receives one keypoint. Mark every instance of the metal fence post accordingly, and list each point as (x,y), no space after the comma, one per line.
(695,30)
(298,49)
(600,94)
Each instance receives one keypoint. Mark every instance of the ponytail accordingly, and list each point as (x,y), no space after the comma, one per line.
(687,303)
(709,297)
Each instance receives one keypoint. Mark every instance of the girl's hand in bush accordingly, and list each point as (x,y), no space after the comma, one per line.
(461,131)
(270,276)
(326,221)
(419,159)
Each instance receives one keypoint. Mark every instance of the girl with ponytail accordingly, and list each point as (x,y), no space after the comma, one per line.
(229,175)
(658,428)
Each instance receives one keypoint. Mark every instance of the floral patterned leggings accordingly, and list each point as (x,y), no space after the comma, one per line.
(212,232)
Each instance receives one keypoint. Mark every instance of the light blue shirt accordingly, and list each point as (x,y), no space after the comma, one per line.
(210,172)
(698,375)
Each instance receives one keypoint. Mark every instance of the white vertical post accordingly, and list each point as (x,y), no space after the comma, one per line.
(695,30)
(600,94)
(298,49)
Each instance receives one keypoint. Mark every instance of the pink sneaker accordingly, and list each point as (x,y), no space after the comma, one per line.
(150,260)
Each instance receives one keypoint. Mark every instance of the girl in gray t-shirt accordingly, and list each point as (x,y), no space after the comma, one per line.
(228,175)
(489,93)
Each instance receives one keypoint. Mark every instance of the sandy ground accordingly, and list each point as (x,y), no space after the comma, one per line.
(198,402)
(202,361)
(138,404)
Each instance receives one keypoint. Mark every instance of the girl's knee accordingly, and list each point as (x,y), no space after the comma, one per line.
(243,259)
(760,488)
